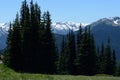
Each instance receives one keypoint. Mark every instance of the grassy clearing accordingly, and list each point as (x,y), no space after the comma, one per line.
(8,74)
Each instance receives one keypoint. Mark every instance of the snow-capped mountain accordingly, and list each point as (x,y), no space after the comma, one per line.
(114,21)
(3,35)
(61,28)
(4,26)
(101,29)
(64,27)
(107,27)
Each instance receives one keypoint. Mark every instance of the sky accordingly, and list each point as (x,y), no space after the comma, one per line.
(83,11)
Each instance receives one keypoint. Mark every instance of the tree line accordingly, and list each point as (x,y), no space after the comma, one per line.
(31,47)
(30,44)
(80,56)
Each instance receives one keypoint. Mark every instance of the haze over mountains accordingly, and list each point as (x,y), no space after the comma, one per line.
(101,29)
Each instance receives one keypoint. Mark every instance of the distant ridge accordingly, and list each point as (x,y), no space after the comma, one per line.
(101,29)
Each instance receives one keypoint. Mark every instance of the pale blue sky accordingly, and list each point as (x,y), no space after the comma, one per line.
(84,11)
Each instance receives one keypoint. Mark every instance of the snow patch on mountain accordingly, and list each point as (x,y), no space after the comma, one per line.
(3,35)
(64,27)
(115,22)
(112,20)
(4,27)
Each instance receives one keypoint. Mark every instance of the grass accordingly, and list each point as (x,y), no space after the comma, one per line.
(8,74)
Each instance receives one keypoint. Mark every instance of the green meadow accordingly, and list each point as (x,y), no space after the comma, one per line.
(9,74)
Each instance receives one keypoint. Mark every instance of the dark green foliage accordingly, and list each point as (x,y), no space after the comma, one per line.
(80,56)
(102,60)
(49,51)
(13,52)
(31,38)
(16,44)
(31,45)
(67,55)
(92,57)
(114,66)
(63,58)
(79,37)
(7,55)
(71,52)
(86,57)
(107,60)
(118,70)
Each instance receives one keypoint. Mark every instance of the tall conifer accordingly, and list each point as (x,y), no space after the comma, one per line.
(102,59)
(71,52)
(108,59)
(14,46)
(63,58)
(49,46)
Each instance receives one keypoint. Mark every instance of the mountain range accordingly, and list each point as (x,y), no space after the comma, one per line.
(107,28)
(3,35)
(101,29)
(63,28)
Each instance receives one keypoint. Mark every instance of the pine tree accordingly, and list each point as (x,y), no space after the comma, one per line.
(118,70)
(14,46)
(102,60)
(49,46)
(79,37)
(108,59)
(97,60)
(113,62)
(34,36)
(71,52)
(86,56)
(63,58)
(30,22)
(90,54)
(80,56)
(92,57)
(31,42)
(25,24)
(7,55)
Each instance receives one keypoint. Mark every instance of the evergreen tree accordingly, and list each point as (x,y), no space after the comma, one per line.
(97,60)
(14,50)
(16,44)
(92,57)
(25,24)
(108,59)
(49,47)
(118,70)
(30,22)
(7,55)
(71,52)
(31,45)
(91,54)
(86,56)
(79,37)
(80,56)
(102,60)
(67,56)
(63,58)
(113,62)
(34,36)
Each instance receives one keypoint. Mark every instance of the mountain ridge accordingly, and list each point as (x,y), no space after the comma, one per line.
(64,27)
(101,29)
